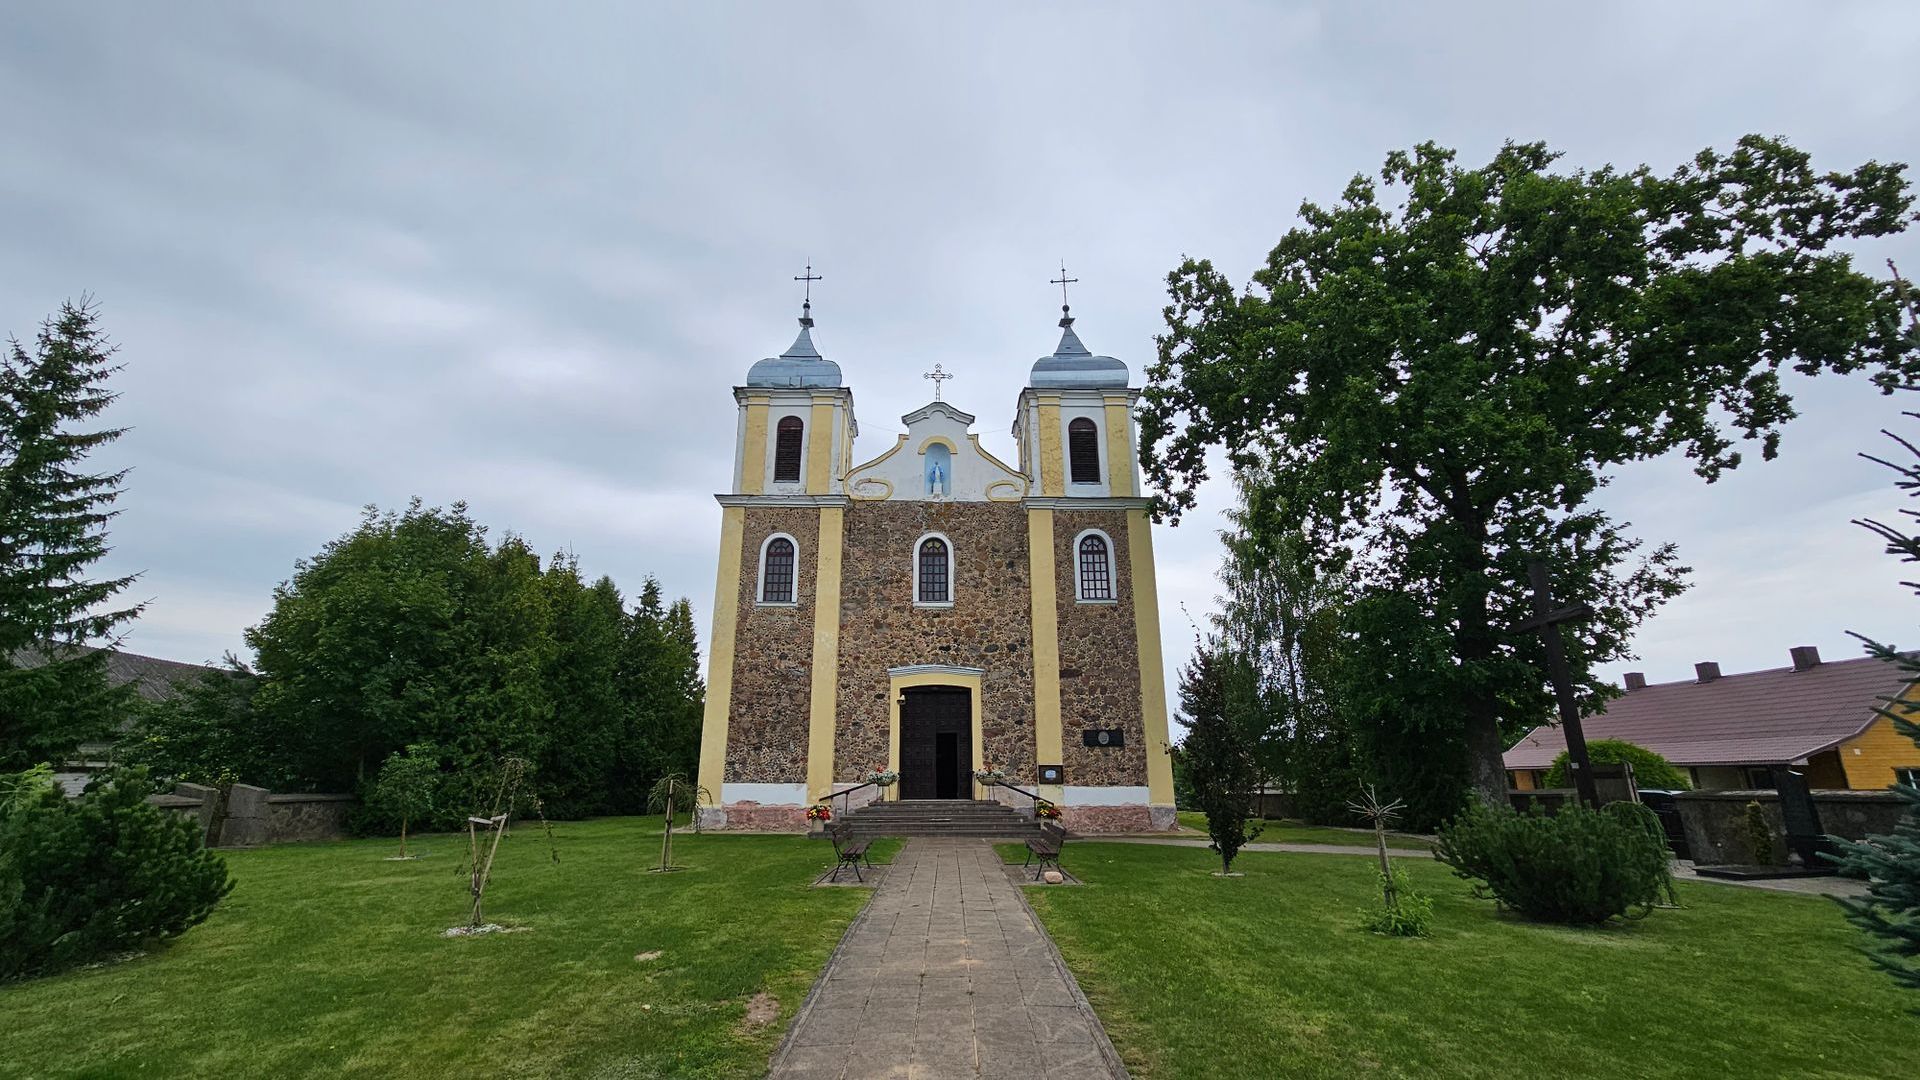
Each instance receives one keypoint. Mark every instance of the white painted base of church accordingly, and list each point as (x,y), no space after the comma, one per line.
(1103,796)
(764,794)
(1084,808)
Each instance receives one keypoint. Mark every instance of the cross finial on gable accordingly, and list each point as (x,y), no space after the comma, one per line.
(938,376)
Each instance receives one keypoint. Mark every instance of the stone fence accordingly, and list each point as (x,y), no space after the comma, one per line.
(250,816)
(1716,821)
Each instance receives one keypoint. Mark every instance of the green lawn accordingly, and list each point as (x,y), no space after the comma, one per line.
(1293,832)
(1739,982)
(327,960)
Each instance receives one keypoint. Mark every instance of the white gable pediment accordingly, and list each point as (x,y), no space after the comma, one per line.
(938,459)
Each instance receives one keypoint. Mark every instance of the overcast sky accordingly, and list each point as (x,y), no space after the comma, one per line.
(517,254)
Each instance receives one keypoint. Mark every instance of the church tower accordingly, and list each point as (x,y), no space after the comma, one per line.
(936,612)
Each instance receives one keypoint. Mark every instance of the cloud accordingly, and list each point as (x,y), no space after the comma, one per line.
(360,252)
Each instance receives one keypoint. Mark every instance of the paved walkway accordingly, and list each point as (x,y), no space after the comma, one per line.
(946,974)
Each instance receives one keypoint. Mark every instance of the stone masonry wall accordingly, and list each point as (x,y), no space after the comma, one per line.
(989,626)
(1099,660)
(773,656)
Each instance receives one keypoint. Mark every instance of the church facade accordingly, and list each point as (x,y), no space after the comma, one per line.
(936,611)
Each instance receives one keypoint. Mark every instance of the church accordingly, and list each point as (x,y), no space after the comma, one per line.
(935,611)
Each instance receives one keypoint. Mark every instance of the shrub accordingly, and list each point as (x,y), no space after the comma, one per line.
(85,878)
(1650,770)
(1410,914)
(1759,835)
(1578,866)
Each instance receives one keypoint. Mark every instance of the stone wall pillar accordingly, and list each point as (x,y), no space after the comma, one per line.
(246,823)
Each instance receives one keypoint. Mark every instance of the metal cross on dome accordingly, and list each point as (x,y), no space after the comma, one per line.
(1063,281)
(938,377)
(806,304)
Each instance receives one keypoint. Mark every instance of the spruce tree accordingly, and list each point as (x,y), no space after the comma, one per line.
(1890,912)
(1219,750)
(53,529)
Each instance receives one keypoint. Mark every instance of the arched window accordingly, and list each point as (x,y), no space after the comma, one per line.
(1083,451)
(776,571)
(786,448)
(933,572)
(1096,567)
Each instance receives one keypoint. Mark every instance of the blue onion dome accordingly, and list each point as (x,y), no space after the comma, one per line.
(1073,366)
(801,365)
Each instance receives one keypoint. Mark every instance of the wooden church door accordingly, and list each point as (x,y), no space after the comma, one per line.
(936,743)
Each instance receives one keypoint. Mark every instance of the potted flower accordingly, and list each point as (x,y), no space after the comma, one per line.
(992,774)
(819,812)
(1046,811)
(880,777)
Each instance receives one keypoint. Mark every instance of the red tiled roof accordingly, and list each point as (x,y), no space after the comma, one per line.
(1757,718)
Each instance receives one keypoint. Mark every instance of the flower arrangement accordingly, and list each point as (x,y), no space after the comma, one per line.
(819,812)
(992,774)
(1046,811)
(881,777)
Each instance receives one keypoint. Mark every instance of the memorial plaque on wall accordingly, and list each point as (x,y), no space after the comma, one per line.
(1051,774)
(1103,737)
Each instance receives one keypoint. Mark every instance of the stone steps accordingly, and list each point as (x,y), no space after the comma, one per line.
(940,817)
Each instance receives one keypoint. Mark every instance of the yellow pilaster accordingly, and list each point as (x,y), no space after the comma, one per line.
(1053,473)
(726,616)
(1153,675)
(1119,448)
(820,449)
(826,654)
(1046,642)
(753,450)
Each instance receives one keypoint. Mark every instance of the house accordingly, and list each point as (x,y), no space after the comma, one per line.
(1727,730)
(151,678)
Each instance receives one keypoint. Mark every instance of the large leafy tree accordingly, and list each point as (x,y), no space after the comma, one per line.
(409,629)
(1439,384)
(53,520)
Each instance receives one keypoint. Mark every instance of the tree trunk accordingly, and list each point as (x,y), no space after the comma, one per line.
(403,837)
(1474,644)
(1386,868)
(666,840)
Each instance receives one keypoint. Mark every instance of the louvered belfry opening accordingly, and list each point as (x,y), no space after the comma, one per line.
(777,580)
(1096,570)
(1083,451)
(786,448)
(933,571)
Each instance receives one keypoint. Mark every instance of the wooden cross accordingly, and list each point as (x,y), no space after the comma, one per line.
(938,377)
(1546,622)
(1063,281)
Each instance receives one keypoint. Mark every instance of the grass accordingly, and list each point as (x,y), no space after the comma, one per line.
(327,960)
(1738,982)
(1293,832)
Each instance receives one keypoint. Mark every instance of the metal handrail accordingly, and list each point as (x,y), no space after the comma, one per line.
(1037,800)
(849,791)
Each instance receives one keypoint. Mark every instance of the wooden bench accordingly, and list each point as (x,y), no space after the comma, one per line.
(850,851)
(1046,849)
